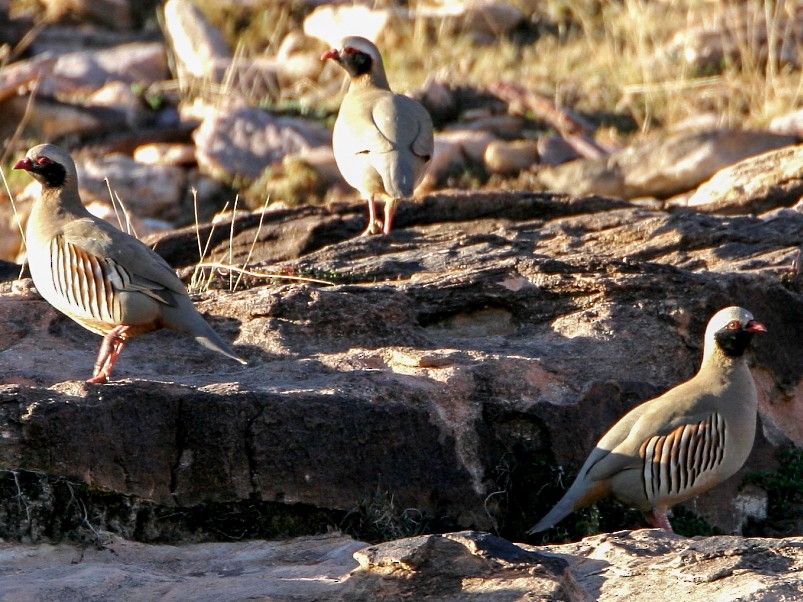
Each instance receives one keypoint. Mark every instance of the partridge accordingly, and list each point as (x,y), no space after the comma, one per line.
(104,279)
(676,446)
(382,141)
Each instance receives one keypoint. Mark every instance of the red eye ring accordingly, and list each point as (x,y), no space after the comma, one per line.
(734,325)
(43,161)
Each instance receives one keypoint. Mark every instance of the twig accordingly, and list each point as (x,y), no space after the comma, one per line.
(223,266)
(574,129)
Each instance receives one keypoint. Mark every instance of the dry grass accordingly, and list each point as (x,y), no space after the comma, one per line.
(597,57)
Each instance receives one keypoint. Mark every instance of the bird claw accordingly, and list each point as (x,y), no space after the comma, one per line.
(374,228)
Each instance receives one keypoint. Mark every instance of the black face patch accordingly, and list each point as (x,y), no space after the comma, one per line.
(355,62)
(51,174)
(733,341)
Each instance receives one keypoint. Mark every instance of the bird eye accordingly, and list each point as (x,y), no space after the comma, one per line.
(733,325)
(349,50)
(43,161)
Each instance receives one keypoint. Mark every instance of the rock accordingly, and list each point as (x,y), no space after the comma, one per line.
(455,150)
(127,221)
(438,99)
(116,94)
(683,161)
(199,49)
(109,13)
(331,23)
(739,34)
(509,158)
(144,190)
(662,167)
(165,154)
(240,142)
(17,75)
(755,185)
(85,72)
(484,20)
(475,343)
(584,176)
(554,150)
(453,567)
(710,568)
(297,569)
(790,124)
(48,119)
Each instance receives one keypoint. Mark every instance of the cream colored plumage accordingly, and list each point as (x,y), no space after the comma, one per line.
(104,279)
(382,141)
(676,446)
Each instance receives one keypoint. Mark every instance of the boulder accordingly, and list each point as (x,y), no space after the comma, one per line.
(239,142)
(768,181)
(145,190)
(197,46)
(682,161)
(450,376)
(86,71)
(662,167)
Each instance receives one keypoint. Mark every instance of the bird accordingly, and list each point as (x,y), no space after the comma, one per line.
(674,447)
(382,141)
(106,280)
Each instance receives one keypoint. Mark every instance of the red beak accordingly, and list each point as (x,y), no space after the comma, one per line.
(753,326)
(331,54)
(25,164)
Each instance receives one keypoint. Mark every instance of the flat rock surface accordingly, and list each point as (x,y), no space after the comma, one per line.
(626,566)
(455,369)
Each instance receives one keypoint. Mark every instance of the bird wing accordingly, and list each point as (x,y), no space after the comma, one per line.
(624,445)
(129,264)
(379,121)
(404,123)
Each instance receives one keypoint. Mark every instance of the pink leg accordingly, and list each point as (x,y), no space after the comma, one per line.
(110,348)
(372,225)
(658,519)
(390,209)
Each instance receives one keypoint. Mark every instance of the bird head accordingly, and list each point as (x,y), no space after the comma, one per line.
(358,56)
(730,330)
(49,164)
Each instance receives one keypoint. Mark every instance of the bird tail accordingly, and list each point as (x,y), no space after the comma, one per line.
(212,340)
(398,171)
(581,493)
(185,318)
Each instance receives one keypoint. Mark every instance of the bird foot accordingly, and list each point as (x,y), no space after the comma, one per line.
(110,349)
(373,229)
(658,519)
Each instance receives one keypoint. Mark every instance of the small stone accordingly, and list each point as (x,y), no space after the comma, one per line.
(159,153)
(509,158)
